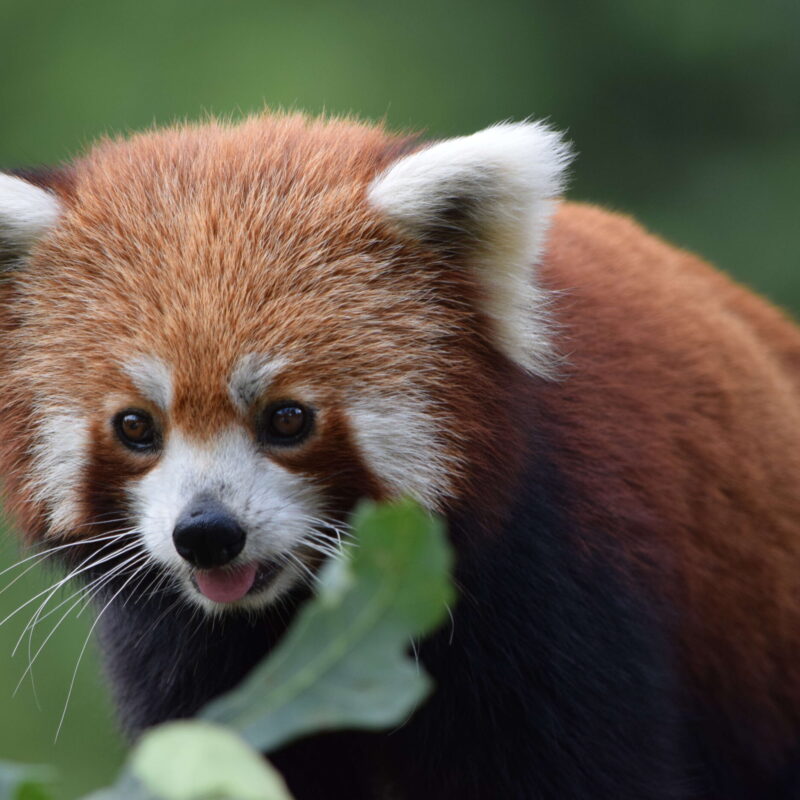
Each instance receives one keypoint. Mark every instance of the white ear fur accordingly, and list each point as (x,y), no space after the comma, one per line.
(491,195)
(26,212)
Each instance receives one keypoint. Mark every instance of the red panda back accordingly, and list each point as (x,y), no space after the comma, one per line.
(680,412)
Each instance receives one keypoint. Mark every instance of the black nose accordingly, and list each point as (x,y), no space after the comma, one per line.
(207,535)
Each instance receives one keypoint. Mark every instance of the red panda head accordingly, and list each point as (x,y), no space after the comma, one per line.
(240,330)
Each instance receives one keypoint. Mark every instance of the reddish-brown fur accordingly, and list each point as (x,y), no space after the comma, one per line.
(677,402)
(681,402)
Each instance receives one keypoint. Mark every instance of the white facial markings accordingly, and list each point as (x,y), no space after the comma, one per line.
(153,378)
(503,180)
(26,211)
(272,504)
(251,377)
(60,455)
(399,439)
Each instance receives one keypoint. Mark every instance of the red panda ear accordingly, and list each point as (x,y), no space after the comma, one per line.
(487,198)
(27,212)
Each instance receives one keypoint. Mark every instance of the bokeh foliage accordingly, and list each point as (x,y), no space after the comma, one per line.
(684,114)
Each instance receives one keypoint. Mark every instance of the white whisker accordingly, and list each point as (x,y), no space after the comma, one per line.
(54,587)
(122,551)
(86,643)
(303,567)
(100,582)
(41,555)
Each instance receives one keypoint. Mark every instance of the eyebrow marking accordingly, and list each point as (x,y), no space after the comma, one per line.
(251,377)
(152,377)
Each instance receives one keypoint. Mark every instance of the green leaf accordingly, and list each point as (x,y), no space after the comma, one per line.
(24,782)
(197,760)
(127,787)
(344,662)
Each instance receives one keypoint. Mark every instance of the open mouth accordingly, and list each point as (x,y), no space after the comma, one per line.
(231,584)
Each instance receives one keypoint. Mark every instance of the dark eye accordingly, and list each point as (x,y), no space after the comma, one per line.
(136,429)
(286,423)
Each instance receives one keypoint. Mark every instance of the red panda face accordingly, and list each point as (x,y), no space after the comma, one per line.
(220,338)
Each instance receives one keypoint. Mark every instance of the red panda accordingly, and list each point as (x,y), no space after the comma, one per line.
(216,339)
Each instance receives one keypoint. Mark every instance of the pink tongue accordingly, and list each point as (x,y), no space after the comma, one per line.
(226,585)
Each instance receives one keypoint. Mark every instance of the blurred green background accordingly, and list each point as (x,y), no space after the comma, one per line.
(685,114)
